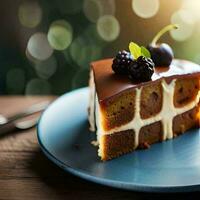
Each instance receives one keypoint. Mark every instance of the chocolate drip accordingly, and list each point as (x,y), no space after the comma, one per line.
(109,84)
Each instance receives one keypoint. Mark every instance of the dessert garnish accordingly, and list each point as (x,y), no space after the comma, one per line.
(137,64)
(141,69)
(121,62)
(161,54)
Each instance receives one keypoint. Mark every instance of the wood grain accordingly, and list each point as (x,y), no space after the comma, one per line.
(25,173)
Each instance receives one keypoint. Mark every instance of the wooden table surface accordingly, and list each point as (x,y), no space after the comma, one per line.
(25,173)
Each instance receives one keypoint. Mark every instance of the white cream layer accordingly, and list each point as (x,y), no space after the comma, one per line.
(91,114)
(166,115)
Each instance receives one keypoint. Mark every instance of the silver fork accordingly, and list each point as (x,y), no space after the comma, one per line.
(12,124)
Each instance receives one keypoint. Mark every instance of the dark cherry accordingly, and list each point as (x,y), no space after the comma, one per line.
(161,54)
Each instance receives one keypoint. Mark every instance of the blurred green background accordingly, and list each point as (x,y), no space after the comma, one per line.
(46,45)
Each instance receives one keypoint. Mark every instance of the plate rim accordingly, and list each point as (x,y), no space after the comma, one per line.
(104,181)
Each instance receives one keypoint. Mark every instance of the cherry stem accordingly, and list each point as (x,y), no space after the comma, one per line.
(162,32)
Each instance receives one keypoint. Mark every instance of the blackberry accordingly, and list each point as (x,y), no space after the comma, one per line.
(141,69)
(121,62)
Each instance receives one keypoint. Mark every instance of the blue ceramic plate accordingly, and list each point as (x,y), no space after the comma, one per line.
(171,166)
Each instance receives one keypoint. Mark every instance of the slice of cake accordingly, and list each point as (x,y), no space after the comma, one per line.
(127,115)
(134,102)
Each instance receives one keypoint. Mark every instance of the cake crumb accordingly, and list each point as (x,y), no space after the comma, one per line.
(182,126)
(95,143)
(146,145)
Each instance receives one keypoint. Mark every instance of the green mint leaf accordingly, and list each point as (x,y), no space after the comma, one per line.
(145,52)
(135,50)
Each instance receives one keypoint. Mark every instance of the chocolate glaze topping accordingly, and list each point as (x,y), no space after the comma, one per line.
(109,84)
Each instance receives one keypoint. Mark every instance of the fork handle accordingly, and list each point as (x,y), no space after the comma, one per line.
(31,110)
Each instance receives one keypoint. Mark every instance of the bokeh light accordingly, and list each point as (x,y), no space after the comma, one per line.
(192,6)
(91,35)
(92,10)
(30,14)
(38,86)
(76,49)
(83,51)
(31,59)
(45,69)
(108,7)
(108,28)
(38,46)
(15,81)
(186,25)
(145,8)
(60,34)
(86,47)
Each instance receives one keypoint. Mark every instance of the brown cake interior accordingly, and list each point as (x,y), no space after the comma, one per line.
(151,103)
(151,100)
(123,142)
(185,91)
(118,144)
(118,110)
